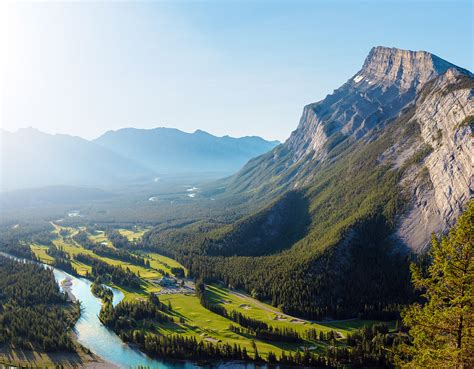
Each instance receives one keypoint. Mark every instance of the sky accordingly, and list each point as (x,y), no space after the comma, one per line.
(234,68)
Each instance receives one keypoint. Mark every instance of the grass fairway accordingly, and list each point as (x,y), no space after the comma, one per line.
(133,235)
(204,324)
(273,316)
(190,317)
(40,253)
(73,248)
(162,262)
(138,295)
(100,237)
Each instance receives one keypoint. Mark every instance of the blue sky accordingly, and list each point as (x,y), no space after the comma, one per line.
(227,67)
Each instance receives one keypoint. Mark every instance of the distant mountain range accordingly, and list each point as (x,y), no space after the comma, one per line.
(165,150)
(30,158)
(335,214)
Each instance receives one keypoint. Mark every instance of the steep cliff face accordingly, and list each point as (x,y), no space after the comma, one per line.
(388,80)
(403,69)
(441,186)
(387,157)
(391,82)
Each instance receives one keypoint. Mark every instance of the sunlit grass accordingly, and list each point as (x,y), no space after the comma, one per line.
(133,235)
(205,324)
(100,237)
(190,317)
(40,253)
(162,262)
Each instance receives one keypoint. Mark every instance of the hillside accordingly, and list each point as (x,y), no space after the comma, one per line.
(375,168)
(389,81)
(30,158)
(166,150)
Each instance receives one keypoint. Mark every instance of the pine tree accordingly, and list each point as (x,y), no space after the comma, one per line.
(442,328)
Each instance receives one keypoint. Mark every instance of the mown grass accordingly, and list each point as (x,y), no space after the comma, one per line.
(73,248)
(273,317)
(100,237)
(162,262)
(190,317)
(133,235)
(40,253)
(202,324)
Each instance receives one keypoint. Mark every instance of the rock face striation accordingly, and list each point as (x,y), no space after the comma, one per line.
(389,80)
(439,96)
(444,113)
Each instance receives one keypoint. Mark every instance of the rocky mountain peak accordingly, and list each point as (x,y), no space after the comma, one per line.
(388,81)
(403,69)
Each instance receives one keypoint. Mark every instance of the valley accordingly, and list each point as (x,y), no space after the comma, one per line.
(190,318)
(342,247)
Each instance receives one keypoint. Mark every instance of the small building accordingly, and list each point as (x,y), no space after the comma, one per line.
(167,282)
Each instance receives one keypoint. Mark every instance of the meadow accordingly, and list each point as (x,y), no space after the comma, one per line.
(191,319)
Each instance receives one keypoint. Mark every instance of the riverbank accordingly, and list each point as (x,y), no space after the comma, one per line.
(17,357)
(66,285)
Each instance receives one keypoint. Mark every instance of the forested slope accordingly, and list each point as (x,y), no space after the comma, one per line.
(34,313)
(360,161)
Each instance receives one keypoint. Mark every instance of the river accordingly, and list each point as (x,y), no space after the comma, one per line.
(99,339)
(105,343)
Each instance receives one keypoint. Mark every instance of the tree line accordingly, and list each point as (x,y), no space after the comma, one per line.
(118,240)
(119,252)
(255,327)
(127,315)
(135,323)
(61,259)
(34,314)
(102,292)
(104,272)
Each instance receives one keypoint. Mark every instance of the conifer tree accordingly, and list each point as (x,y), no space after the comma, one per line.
(442,328)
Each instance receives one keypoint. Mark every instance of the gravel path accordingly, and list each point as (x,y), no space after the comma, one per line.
(266,307)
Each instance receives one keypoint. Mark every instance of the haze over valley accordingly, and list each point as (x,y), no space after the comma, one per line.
(120,157)
(349,244)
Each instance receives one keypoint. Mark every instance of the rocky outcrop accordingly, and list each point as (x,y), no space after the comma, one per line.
(389,80)
(443,183)
(421,103)
(403,69)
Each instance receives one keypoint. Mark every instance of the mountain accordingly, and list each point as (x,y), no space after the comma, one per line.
(389,80)
(427,92)
(370,172)
(31,158)
(166,150)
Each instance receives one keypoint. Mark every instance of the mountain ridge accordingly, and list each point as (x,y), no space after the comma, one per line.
(404,68)
(162,149)
(195,132)
(72,160)
(351,113)
(376,169)
(31,158)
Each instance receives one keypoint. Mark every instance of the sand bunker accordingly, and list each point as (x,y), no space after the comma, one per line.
(245,306)
(297,321)
(210,339)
